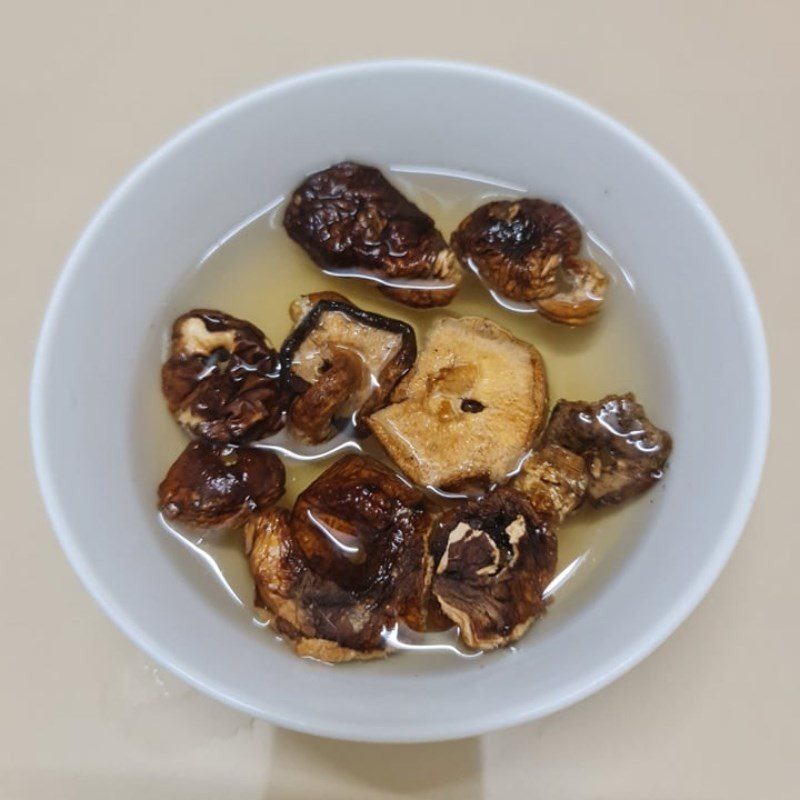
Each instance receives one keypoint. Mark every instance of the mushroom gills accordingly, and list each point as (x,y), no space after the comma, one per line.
(342,362)
(555,480)
(494,558)
(469,409)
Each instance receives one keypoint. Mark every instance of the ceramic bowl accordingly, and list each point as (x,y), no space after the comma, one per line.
(207,180)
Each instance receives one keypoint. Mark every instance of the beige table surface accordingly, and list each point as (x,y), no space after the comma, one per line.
(89,88)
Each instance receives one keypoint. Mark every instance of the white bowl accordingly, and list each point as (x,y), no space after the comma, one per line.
(218,172)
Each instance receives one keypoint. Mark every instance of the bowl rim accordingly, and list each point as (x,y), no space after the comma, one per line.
(599,675)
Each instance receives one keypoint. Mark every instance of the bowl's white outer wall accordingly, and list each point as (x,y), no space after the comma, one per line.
(221,169)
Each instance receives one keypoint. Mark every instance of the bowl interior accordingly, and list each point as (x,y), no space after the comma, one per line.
(110,302)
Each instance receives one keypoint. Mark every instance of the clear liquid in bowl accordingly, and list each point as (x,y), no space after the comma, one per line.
(256,271)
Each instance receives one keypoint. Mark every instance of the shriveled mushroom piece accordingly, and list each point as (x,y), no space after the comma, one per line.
(347,564)
(526,251)
(517,245)
(469,409)
(349,218)
(624,452)
(342,362)
(221,379)
(582,287)
(219,486)
(298,602)
(494,558)
(555,481)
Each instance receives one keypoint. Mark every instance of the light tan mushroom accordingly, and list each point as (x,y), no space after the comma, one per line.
(469,409)
(580,295)
(555,481)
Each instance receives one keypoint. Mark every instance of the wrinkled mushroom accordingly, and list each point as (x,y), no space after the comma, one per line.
(517,245)
(221,379)
(624,452)
(555,481)
(349,218)
(580,295)
(526,251)
(342,362)
(347,564)
(218,486)
(494,558)
(469,409)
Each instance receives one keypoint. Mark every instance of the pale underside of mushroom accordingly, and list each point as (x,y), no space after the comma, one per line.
(469,409)
(555,480)
(344,360)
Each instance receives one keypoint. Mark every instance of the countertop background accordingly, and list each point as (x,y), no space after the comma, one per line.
(90,88)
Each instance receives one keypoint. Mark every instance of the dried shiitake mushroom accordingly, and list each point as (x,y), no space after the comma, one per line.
(219,486)
(350,218)
(526,250)
(624,452)
(342,362)
(347,564)
(582,287)
(494,558)
(555,481)
(517,245)
(221,379)
(469,409)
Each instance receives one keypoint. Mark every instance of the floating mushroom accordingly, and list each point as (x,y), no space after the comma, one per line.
(624,452)
(221,379)
(350,219)
(516,245)
(218,486)
(347,564)
(342,362)
(580,294)
(526,251)
(494,558)
(469,409)
(555,481)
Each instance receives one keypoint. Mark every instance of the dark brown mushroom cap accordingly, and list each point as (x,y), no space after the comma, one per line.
(217,486)
(343,362)
(348,563)
(365,528)
(319,618)
(624,452)
(494,558)
(517,245)
(349,217)
(221,379)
